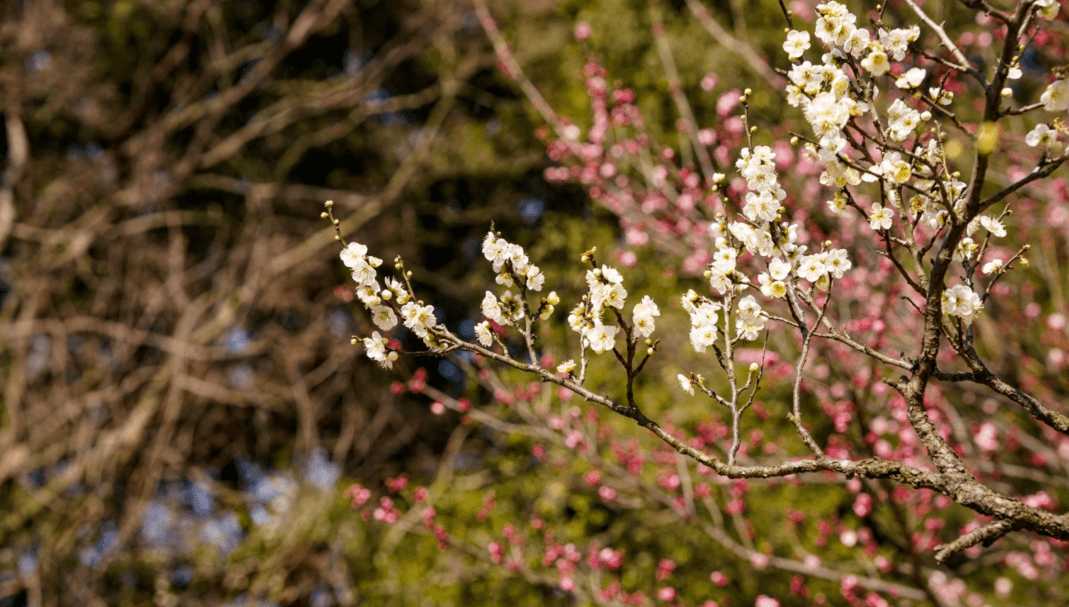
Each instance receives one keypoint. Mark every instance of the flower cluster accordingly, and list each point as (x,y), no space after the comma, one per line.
(605,291)
(889,171)
(1043,135)
(385,304)
(962,302)
(511,263)
(748,319)
(513,269)
(643,316)
(1056,97)
(703,320)
(759,171)
(836,95)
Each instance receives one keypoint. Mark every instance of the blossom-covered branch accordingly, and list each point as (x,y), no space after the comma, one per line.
(889,164)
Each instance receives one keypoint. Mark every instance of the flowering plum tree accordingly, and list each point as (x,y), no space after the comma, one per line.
(895,283)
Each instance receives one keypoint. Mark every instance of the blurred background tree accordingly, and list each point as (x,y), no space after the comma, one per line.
(174,358)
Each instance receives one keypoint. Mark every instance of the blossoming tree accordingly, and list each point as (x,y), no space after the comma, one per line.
(911,144)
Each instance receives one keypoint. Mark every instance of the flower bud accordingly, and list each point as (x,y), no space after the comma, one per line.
(754,367)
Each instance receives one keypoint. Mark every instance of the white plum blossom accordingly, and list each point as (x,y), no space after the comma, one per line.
(965,249)
(749,331)
(806,77)
(901,120)
(962,302)
(941,96)
(1045,136)
(511,307)
(606,288)
(602,338)
(616,296)
(858,42)
(396,288)
(897,41)
(724,259)
(383,317)
(1048,9)
(484,334)
(912,78)
(992,266)
(837,204)
(837,173)
(778,269)
(352,254)
(535,278)
(719,281)
(363,269)
(835,24)
(577,319)
(771,288)
(518,259)
(702,336)
(748,319)
(828,114)
(880,217)
(684,383)
(362,265)
(993,226)
(877,62)
(894,168)
(741,231)
(643,316)
(420,319)
(368,295)
(491,309)
(611,274)
(760,243)
(837,263)
(811,268)
(758,167)
(748,309)
(375,348)
(763,206)
(703,318)
(496,250)
(796,45)
(1056,97)
(566,367)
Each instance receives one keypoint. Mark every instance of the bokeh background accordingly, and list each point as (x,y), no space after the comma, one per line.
(182,410)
